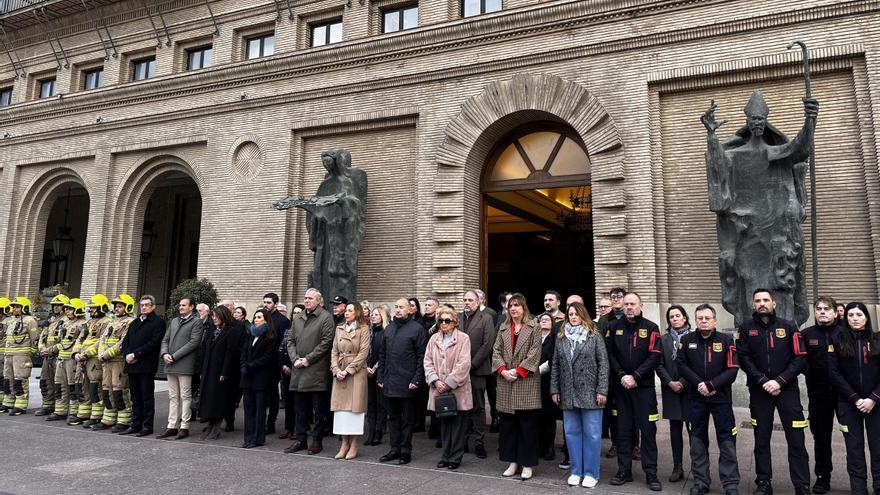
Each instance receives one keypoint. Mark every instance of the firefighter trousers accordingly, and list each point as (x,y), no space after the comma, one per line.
(636,411)
(854,425)
(725,435)
(788,403)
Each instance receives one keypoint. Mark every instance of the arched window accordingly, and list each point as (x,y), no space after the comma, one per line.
(540,156)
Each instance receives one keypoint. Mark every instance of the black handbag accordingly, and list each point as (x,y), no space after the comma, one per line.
(445,406)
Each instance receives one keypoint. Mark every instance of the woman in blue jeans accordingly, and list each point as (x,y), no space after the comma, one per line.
(579,384)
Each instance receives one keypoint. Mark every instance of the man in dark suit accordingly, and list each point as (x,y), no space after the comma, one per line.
(478,326)
(141,350)
(282,325)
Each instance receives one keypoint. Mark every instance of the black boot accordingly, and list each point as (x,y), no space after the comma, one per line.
(677,474)
(822,485)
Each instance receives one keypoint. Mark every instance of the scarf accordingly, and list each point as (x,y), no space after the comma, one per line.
(217,331)
(577,334)
(676,337)
(401,321)
(351,327)
(258,330)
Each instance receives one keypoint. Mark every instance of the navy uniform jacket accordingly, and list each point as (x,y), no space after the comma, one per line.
(634,349)
(712,360)
(819,339)
(771,351)
(856,377)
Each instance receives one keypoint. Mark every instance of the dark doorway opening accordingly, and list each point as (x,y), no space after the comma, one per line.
(65,246)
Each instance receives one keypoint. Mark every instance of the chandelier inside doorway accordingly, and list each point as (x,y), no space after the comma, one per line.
(578,216)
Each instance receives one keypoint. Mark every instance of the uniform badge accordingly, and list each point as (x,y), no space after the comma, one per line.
(753,333)
(692,345)
(813,342)
(717,347)
(619,332)
(780,333)
(830,347)
(643,333)
(681,345)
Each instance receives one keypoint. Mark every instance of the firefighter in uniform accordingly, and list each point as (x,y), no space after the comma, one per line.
(91,409)
(634,353)
(66,401)
(5,389)
(46,348)
(822,395)
(707,361)
(21,344)
(855,372)
(772,355)
(117,403)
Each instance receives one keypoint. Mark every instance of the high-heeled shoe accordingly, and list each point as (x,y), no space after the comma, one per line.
(510,471)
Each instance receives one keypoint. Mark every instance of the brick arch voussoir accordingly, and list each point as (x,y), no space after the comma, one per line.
(476,129)
(29,235)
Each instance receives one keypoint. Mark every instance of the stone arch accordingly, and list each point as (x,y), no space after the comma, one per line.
(28,233)
(131,198)
(470,137)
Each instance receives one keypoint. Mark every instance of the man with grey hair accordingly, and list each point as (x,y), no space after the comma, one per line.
(308,346)
(479,327)
(484,304)
(141,350)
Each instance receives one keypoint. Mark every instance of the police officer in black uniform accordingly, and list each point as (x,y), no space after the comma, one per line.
(772,354)
(707,361)
(634,354)
(854,367)
(822,395)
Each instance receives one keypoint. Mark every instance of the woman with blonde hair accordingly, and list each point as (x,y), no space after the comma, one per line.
(448,372)
(579,384)
(515,359)
(348,364)
(377,415)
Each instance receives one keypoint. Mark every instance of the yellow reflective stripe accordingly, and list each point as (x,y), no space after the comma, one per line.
(654,417)
(844,428)
(20,350)
(614,412)
(754,422)
(733,431)
(798,424)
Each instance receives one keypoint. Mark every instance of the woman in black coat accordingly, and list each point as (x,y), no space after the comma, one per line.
(550,412)
(259,357)
(220,355)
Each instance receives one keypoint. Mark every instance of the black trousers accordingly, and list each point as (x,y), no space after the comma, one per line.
(676,439)
(477,418)
(725,435)
(636,412)
(453,434)
(309,406)
(762,406)
(377,413)
(143,400)
(854,425)
(289,404)
(401,422)
(518,437)
(821,418)
(273,398)
(255,416)
(547,429)
(491,392)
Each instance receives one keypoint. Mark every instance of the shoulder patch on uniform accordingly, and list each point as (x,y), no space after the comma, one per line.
(753,332)
(813,342)
(619,331)
(830,347)
(692,345)
(643,333)
(781,333)
(717,347)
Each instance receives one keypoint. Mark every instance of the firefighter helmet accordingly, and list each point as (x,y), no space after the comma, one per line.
(25,304)
(78,305)
(127,300)
(59,300)
(100,302)
(5,307)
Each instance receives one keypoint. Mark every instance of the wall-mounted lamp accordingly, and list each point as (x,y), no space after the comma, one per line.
(243,95)
(99,120)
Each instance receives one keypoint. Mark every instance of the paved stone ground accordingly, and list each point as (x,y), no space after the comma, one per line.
(50,458)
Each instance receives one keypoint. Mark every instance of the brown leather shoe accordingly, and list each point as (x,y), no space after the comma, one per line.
(284,434)
(315,448)
(296,446)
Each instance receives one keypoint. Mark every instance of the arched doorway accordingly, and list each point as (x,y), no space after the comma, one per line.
(64,246)
(170,235)
(537,214)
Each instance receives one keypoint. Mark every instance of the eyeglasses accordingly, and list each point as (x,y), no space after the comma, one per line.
(616,296)
(604,306)
(445,321)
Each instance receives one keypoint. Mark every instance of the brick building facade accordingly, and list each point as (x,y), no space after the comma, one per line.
(207,141)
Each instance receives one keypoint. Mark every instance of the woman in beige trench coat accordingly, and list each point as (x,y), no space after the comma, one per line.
(348,361)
